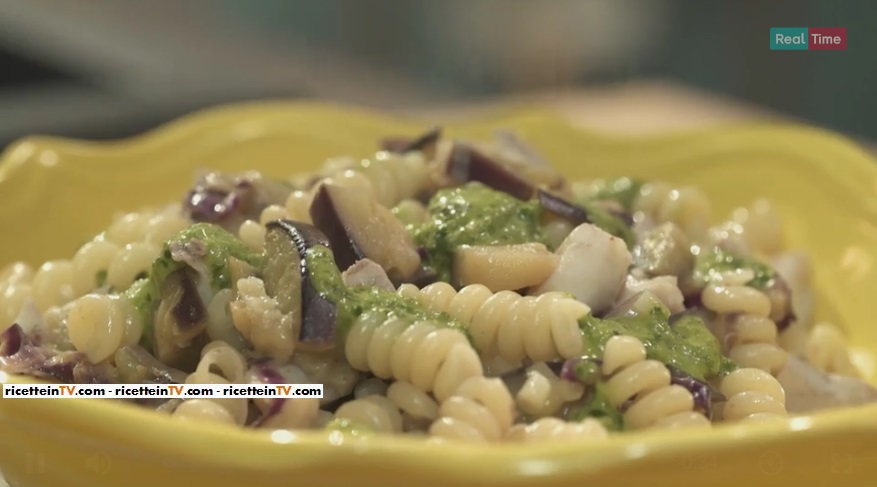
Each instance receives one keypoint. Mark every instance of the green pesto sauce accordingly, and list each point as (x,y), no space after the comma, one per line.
(353,302)
(711,265)
(220,245)
(474,214)
(404,213)
(598,406)
(347,426)
(622,190)
(688,345)
(144,294)
(610,223)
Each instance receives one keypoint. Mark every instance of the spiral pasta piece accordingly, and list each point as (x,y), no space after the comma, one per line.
(752,394)
(132,262)
(544,393)
(687,207)
(252,234)
(370,387)
(760,227)
(752,338)
(128,228)
(391,177)
(553,429)
(336,375)
(165,224)
(230,366)
(296,413)
(376,413)
(91,264)
(388,178)
(53,284)
(225,359)
(646,383)
(15,289)
(827,350)
(507,324)
(98,324)
(432,358)
(203,410)
(481,410)
(300,412)
(412,401)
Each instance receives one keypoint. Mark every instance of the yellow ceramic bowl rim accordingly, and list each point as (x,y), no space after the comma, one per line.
(146,433)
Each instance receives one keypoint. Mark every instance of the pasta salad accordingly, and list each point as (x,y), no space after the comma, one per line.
(452,289)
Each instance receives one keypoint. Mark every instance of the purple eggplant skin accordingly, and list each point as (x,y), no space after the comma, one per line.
(780,295)
(228,200)
(22,354)
(331,225)
(559,206)
(318,312)
(701,392)
(568,369)
(422,142)
(466,164)
(271,376)
(576,214)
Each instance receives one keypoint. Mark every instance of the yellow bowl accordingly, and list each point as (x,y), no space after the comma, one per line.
(57,193)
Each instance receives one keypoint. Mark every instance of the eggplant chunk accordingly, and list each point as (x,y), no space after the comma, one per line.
(367,273)
(503,267)
(290,280)
(664,251)
(467,164)
(358,227)
(593,266)
(808,389)
(180,322)
(607,215)
(664,288)
(425,143)
(563,208)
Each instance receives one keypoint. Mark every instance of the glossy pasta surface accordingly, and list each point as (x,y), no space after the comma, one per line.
(453,406)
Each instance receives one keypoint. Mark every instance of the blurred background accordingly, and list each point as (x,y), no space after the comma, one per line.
(110,68)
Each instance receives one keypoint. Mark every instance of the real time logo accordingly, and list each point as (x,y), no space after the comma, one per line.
(808,38)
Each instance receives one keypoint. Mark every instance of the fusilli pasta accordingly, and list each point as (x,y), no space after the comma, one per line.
(631,377)
(827,350)
(99,324)
(508,324)
(391,177)
(544,393)
(687,207)
(752,338)
(432,358)
(553,429)
(53,284)
(569,311)
(15,289)
(751,394)
(91,265)
(374,412)
(303,412)
(412,401)
(480,410)
(203,410)
(230,369)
